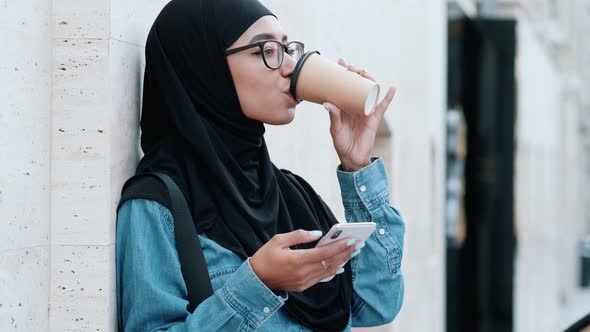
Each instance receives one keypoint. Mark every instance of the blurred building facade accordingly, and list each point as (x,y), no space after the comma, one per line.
(551,156)
(70,84)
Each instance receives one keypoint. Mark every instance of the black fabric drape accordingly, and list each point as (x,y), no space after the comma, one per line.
(194,130)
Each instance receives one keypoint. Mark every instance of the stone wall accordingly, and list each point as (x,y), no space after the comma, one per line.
(26,68)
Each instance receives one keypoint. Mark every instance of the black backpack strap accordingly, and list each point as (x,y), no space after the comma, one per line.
(580,325)
(145,186)
(192,261)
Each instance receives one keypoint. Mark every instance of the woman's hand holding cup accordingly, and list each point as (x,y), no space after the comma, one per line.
(354,134)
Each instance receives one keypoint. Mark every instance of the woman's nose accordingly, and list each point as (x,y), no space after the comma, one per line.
(288,65)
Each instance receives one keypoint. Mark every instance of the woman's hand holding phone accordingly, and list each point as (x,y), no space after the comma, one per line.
(281,268)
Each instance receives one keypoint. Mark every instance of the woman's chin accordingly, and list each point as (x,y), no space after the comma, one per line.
(286,117)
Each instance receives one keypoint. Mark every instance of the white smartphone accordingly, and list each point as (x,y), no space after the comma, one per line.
(358,230)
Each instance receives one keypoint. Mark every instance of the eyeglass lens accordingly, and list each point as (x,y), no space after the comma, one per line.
(273,53)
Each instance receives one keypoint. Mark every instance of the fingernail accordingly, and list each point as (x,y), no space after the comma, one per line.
(339,271)
(327,108)
(341,266)
(327,279)
(350,242)
(359,246)
(315,233)
(355,253)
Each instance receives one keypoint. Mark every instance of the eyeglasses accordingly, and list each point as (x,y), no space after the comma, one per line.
(273,51)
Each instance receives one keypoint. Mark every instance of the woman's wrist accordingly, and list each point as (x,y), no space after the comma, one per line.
(348,166)
(257,269)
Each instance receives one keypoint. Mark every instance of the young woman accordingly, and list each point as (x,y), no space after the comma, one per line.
(216,72)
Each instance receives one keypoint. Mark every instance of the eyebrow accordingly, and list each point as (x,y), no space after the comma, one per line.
(265,36)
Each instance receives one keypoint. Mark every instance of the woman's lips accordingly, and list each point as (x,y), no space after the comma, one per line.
(293,101)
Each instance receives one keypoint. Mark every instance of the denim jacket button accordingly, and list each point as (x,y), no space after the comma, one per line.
(363,188)
(266,310)
(381,231)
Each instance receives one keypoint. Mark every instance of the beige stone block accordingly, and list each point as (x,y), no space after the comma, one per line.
(22,19)
(80,92)
(126,76)
(81,19)
(82,294)
(24,285)
(80,213)
(25,95)
(80,143)
(131,20)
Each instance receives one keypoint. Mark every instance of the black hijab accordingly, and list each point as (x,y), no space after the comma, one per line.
(193,129)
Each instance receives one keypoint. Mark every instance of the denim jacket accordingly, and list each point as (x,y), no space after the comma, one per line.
(152,296)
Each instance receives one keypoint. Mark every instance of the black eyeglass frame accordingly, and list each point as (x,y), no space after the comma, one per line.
(260,44)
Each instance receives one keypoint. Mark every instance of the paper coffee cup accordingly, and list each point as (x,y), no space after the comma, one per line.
(318,80)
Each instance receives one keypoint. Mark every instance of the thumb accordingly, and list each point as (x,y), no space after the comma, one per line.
(299,236)
(335,116)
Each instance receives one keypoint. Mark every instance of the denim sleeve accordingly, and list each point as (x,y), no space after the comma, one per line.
(377,280)
(151,293)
